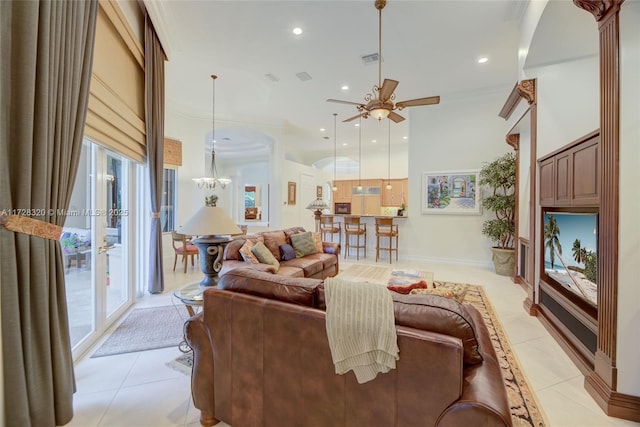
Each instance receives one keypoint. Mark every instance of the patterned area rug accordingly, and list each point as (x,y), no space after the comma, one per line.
(525,410)
(145,329)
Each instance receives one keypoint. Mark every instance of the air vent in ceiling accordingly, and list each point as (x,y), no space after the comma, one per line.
(272,77)
(303,76)
(370,59)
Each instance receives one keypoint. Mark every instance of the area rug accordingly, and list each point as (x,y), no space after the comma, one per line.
(525,410)
(182,363)
(145,329)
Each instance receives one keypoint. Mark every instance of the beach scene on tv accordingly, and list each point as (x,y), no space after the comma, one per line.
(570,252)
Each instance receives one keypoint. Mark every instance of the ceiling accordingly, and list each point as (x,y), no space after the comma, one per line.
(431,47)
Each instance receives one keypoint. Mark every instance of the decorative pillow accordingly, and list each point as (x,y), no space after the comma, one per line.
(405,289)
(456,292)
(317,237)
(273,240)
(247,255)
(287,252)
(303,244)
(264,255)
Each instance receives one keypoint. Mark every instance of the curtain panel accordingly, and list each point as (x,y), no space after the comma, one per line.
(154,119)
(46,50)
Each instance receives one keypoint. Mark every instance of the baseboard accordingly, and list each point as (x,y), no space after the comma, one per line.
(614,404)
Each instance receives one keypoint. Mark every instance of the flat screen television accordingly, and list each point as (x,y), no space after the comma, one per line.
(570,244)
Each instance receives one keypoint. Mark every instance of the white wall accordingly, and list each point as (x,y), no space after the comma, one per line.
(451,136)
(629,233)
(568,102)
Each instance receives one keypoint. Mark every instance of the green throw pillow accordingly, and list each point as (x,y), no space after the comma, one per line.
(303,244)
(264,255)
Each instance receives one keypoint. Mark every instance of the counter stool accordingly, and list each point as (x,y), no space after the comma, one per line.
(353,227)
(386,228)
(328,226)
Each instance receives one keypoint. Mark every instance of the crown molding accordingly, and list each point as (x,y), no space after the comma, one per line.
(157,12)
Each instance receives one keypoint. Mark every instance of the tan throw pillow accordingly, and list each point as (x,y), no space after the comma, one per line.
(317,238)
(247,255)
(303,244)
(264,255)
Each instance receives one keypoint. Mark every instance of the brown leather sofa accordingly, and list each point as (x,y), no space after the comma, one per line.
(318,265)
(262,358)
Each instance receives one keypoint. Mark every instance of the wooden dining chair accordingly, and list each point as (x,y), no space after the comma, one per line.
(182,246)
(329,226)
(386,228)
(354,228)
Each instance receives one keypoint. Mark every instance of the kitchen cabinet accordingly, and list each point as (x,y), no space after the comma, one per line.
(343,194)
(365,204)
(398,193)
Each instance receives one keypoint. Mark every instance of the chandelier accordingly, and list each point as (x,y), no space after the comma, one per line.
(212,181)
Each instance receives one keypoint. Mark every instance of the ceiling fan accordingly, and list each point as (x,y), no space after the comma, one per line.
(379,104)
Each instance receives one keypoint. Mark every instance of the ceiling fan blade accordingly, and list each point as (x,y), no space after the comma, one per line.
(388,86)
(344,102)
(397,118)
(420,101)
(356,116)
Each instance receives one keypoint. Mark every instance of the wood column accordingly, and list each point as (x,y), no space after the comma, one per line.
(602,382)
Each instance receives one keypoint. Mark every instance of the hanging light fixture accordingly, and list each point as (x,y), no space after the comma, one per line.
(335,151)
(360,155)
(389,187)
(210,182)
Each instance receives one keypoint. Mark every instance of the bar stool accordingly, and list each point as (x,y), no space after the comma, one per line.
(329,226)
(386,228)
(353,227)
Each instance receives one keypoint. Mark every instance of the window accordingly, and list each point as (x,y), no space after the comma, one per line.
(167,211)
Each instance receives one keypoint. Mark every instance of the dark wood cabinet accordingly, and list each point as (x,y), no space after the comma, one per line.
(571,175)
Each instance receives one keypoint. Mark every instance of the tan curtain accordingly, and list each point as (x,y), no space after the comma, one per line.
(154,119)
(46,51)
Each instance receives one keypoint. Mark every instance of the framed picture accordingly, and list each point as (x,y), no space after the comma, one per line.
(451,192)
(291,193)
(319,192)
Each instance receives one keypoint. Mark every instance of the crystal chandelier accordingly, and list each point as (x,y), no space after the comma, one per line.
(212,181)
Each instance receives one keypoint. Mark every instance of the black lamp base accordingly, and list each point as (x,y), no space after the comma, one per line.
(211,251)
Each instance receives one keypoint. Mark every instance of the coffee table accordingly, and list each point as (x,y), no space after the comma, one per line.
(385,275)
(191,296)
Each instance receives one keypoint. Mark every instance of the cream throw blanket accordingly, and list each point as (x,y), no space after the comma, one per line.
(360,327)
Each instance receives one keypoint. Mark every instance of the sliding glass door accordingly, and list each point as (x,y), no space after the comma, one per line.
(96,245)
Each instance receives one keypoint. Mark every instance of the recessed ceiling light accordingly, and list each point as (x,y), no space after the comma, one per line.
(405,137)
(483,60)
(357,125)
(322,129)
(374,141)
(297,31)
(344,144)
(344,87)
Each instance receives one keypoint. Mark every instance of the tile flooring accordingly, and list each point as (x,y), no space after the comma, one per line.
(139,390)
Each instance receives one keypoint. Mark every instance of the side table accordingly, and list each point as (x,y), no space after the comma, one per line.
(191,296)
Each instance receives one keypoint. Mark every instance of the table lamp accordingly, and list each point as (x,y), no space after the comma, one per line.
(317,206)
(214,227)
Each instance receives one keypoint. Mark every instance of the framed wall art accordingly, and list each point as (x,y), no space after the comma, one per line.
(451,192)
(291,193)
(319,192)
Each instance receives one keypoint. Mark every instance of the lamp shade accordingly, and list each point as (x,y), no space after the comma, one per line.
(379,113)
(317,204)
(210,221)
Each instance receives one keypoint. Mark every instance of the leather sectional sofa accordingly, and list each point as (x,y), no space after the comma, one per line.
(319,265)
(262,358)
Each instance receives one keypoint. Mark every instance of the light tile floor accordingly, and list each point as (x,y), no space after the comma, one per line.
(139,390)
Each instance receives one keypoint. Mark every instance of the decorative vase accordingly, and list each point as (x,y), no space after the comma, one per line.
(504,261)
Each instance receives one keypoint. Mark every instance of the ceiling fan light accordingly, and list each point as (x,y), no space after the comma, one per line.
(379,113)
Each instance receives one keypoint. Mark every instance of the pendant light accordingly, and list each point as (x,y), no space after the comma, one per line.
(389,187)
(211,181)
(335,151)
(360,154)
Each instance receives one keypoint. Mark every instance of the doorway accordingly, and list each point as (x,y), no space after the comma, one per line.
(95,245)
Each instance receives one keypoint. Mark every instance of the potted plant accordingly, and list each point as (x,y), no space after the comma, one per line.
(500,177)
(211,201)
